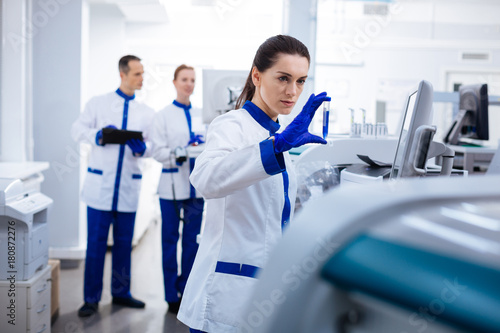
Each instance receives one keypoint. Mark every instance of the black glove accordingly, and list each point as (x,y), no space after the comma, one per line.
(180,155)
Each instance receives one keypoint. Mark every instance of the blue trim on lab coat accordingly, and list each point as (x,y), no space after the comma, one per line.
(236,269)
(192,191)
(124,96)
(285,216)
(170,170)
(273,163)
(261,117)
(116,191)
(270,160)
(186,109)
(96,171)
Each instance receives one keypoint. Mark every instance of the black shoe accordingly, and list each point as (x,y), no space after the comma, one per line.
(173,307)
(88,309)
(129,302)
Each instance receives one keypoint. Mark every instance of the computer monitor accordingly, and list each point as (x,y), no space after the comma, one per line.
(471,122)
(417,112)
(221,89)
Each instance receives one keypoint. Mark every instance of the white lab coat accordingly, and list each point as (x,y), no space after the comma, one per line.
(243,219)
(171,130)
(100,180)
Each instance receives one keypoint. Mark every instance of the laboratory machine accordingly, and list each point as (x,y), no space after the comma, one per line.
(221,89)
(415,145)
(413,255)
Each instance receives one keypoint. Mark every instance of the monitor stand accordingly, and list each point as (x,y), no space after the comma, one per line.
(453,135)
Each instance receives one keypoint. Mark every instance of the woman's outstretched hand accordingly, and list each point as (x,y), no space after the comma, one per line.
(296,133)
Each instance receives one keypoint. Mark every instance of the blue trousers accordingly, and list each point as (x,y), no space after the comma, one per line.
(193,211)
(192,330)
(98,223)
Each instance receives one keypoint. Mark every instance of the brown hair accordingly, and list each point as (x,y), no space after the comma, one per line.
(123,63)
(180,68)
(266,57)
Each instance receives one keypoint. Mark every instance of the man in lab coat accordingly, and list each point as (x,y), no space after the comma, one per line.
(112,183)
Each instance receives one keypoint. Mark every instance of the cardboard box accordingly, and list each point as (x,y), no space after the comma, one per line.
(54,299)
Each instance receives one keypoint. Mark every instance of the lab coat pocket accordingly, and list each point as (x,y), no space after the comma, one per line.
(135,183)
(228,297)
(93,183)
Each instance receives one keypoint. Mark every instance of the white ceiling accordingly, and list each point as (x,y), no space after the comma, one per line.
(152,11)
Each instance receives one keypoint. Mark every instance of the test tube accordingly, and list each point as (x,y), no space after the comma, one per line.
(352,116)
(326,115)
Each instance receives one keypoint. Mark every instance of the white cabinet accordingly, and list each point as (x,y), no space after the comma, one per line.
(26,304)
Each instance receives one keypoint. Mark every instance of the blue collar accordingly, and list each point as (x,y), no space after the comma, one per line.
(261,117)
(183,106)
(125,96)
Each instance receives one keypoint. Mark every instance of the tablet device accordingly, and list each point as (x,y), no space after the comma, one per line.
(112,135)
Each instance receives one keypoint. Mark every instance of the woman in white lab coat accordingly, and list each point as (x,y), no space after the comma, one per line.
(175,127)
(246,175)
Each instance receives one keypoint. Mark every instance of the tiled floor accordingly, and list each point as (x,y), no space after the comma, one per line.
(147,285)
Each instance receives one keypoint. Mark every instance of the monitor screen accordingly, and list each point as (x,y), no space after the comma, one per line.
(471,121)
(417,112)
(403,135)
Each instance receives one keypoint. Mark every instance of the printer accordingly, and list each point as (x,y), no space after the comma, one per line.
(24,233)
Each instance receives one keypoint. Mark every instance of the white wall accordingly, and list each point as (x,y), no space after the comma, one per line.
(225,36)
(58,75)
(15,125)
(300,21)
(106,47)
(365,58)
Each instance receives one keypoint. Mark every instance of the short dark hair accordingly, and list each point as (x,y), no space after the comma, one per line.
(266,57)
(123,63)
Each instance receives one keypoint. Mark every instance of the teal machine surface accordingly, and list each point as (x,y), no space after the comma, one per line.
(412,278)
(415,255)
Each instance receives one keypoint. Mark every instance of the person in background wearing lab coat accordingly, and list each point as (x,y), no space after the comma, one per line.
(246,176)
(177,126)
(112,184)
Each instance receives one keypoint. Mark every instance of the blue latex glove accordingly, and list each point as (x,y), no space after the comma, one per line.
(138,146)
(296,134)
(196,140)
(98,137)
